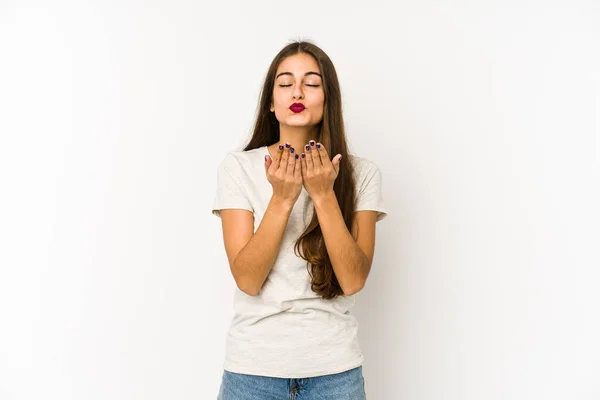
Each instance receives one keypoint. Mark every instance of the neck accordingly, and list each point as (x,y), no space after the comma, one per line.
(297,136)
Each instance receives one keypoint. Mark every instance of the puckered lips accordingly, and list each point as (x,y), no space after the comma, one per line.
(297,107)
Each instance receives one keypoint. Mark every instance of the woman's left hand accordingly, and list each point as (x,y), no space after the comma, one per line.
(318,172)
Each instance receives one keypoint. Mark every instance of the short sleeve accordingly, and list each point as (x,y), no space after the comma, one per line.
(370,189)
(230,191)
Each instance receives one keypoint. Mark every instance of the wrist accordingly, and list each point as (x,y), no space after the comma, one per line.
(324,198)
(281,205)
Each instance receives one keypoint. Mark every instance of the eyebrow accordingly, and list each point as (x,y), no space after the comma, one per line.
(306,74)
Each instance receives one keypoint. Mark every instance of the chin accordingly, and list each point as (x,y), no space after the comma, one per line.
(300,124)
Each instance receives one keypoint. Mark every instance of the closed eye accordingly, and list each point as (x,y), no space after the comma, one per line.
(306,85)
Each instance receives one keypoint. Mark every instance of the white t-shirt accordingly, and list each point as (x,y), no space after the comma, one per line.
(287,330)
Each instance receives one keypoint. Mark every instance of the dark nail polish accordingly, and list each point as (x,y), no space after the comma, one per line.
(303,155)
(280,147)
(265,158)
(307,147)
(296,156)
(291,149)
(318,146)
(287,145)
(312,142)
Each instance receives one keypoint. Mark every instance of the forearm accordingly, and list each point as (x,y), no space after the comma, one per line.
(349,262)
(254,262)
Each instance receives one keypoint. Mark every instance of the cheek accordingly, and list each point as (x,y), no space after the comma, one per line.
(318,101)
(276,98)
(321,105)
(322,101)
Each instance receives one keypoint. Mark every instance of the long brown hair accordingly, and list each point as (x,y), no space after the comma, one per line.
(331,134)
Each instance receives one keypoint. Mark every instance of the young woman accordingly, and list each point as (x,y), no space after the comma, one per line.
(298,215)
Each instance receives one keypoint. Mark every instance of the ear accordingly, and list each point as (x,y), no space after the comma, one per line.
(272,108)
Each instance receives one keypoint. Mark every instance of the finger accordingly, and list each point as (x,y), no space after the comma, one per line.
(336,163)
(309,157)
(291,161)
(268,162)
(303,167)
(283,164)
(298,169)
(278,155)
(317,165)
(323,156)
(316,157)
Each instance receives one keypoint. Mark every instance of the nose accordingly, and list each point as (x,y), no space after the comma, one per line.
(297,93)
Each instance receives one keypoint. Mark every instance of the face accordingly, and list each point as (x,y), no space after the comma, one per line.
(298,80)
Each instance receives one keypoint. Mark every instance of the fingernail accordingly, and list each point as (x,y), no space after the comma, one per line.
(280,147)
(318,145)
(303,155)
(296,156)
(287,145)
(265,158)
(307,147)
(340,158)
(292,150)
(312,142)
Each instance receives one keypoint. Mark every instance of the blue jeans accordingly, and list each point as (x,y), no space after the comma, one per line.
(347,385)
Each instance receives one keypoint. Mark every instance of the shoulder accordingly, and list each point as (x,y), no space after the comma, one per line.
(239,159)
(363,167)
(369,185)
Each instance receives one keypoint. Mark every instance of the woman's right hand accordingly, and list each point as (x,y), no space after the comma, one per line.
(285,174)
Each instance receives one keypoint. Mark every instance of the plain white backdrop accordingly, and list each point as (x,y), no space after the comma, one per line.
(482,116)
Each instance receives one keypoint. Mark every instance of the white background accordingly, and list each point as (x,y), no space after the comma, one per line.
(482,116)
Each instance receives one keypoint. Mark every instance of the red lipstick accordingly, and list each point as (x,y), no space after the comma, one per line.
(297,107)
